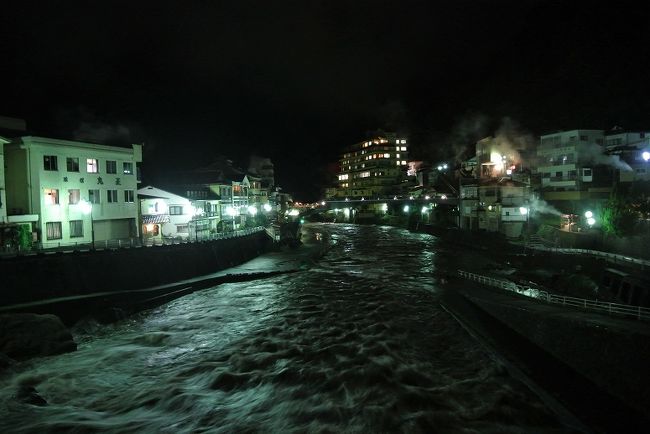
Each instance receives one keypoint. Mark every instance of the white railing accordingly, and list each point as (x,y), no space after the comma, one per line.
(613,257)
(202,237)
(627,310)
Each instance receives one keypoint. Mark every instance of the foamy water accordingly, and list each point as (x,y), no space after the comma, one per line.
(357,343)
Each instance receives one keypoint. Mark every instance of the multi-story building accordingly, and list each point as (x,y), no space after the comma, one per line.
(573,169)
(164,214)
(631,154)
(81,192)
(374,168)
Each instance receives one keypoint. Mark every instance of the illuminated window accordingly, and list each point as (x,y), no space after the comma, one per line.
(111,196)
(50,162)
(73,196)
(127,168)
(396,155)
(92,165)
(403,163)
(76,228)
(343,177)
(386,155)
(72,164)
(403,143)
(403,148)
(397,142)
(397,162)
(111,166)
(93,196)
(53,230)
(364,174)
(51,196)
(128,196)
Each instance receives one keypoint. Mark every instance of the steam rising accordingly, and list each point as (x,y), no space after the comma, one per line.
(543,207)
(592,153)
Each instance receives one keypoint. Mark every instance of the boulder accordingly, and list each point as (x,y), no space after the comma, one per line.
(25,335)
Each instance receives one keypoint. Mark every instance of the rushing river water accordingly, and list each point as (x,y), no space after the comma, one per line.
(356,343)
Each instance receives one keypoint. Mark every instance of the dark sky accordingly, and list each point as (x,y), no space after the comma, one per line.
(298,80)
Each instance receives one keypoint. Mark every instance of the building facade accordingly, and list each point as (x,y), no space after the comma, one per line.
(81,192)
(632,149)
(374,168)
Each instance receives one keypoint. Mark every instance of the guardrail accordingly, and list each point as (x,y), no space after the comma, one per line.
(626,310)
(115,244)
(613,257)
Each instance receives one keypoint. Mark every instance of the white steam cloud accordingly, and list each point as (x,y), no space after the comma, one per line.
(543,207)
(593,154)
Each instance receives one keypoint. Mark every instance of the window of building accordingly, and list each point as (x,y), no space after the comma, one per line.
(72,164)
(127,168)
(93,196)
(111,166)
(546,175)
(73,196)
(53,230)
(403,148)
(364,174)
(403,162)
(76,228)
(584,138)
(386,155)
(92,165)
(51,196)
(50,162)
(129,196)
(586,172)
(640,170)
(111,196)
(175,210)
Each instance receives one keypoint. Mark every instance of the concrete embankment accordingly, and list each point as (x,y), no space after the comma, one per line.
(593,364)
(35,278)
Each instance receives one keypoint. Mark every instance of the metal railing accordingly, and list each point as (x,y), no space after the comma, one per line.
(612,257)
(122,243)
(625,310)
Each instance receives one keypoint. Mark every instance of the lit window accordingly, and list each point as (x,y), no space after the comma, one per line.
(397,163)
(53,230)
(403,163)
(72,164)
(73,196)
(111,196)
(403,143)
(111,166)
(386,155)
(127,168)
(403,148)
(92,165)
(76,228)
(51,196)
(50,162)
(396,155)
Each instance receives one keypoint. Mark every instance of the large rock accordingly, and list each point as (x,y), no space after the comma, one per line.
(25,335)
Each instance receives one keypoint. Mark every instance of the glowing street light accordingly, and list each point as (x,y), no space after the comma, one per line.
(424,210)
(406,208)
(523,210)
(589,214)
(252,210)
(384,207)
(645,155)
(267,207)
(591,221)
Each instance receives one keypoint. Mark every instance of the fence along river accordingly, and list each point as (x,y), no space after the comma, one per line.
(356,343)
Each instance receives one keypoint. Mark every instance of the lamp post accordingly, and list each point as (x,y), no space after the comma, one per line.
(87,209)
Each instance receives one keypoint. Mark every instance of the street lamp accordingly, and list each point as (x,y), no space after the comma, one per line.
(87,209)
(645,155)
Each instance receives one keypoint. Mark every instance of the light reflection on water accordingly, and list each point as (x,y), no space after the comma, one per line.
(358,343)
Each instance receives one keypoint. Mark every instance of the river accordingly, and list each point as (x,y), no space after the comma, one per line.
(356,343)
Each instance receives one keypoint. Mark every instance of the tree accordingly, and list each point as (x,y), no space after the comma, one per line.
(618,217)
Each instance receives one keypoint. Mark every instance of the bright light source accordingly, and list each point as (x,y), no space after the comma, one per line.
(411,197)
(149,227)
(85,206)
(346,211)
(231,211)
(591,221)
(427,197)
(444,166)
(322,203)
(406,208)
(509,172)
(443,197)
(589,214)
(363,198)
(252,210)
(439,167)
(489,207)
(384,207)
(267,207)
(294,212)
(523,210)
(424,209)
(346,199)
(645,155)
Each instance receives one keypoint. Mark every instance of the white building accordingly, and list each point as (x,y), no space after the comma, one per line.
(57,180)
(633,149)
(164,214)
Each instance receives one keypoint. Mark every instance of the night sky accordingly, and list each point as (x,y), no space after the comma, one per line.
(297,81)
